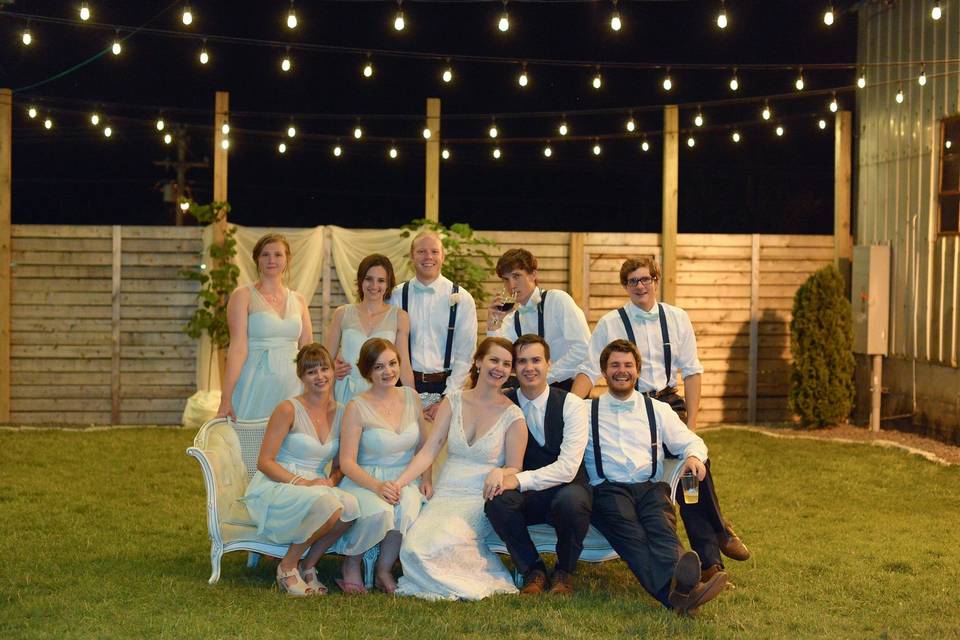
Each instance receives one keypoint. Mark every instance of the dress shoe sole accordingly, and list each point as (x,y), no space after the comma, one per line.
(707,592)
(687,572)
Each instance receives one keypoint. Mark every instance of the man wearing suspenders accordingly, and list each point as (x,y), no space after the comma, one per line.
(664,337)
(552,315)
(631,503)
(443,323)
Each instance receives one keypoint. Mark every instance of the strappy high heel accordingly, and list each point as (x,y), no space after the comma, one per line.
(310,578)
(299,588)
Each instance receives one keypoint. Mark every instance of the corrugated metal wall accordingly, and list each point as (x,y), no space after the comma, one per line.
(898,168)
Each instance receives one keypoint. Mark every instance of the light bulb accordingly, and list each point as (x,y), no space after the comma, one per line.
(445,154)
(504,25)
(291,131)
(522,79)
(427,134)
(563,129)
(225,128)
(936,12)
(32,113)
(393,153)
(799,84)
(597,81)
(765,114)
(282,147)
(26,38)
(615,22)
(286,64)
(94,119)
(547,151)
(834,105)
(160,124)
(862,80)
(447,74)
(667,83)
(722,18)
(734,83)
(828,16)
(225,144)
(187,16)
(116,47)
(645,146)
(398,22)
(292,21)
(493,131)
(357,132)
(48,123)
(698,120)
(496,153)
(597,149)
(922,79)
(631,125)
(183,207)
(948,144)
(337,151)
(84,11)
(107,132)
(780,130)
(368,70)
(899,96)
(204,56)
(691,142)
(167,138)
(822,124)
(735,136)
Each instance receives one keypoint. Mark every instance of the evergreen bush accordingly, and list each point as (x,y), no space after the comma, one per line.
(821,342)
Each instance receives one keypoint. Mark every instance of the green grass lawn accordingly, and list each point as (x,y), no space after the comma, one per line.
(104,536)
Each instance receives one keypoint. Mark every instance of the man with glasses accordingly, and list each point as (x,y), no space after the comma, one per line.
(665,339)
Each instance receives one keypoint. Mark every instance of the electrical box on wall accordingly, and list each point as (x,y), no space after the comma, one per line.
(870,291)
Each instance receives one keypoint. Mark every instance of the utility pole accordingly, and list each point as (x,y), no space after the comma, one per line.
(181,166)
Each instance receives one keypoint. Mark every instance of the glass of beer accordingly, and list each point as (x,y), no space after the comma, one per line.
(691,488)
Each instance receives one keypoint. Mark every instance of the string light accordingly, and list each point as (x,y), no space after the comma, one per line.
(735,136)
(834,105)
(523,79)
(765,114)
(427,134)
(337,151)
(225,128)
(116,47)
(922,79)
(948,144)
(496,153)
(26,38)
(503,24)
(698,119)
(597,150)
(368,69)
(32,113)
(393,153)
(84,11)
(291,131)
(292,21)
(615,22)
(184,206)
(563,129)
(447,75)
(691,142)
(107,132)
(286,63)
(899,96)
(225,144)
(645,146)
(828,16)
(862,80)
(204,56)
(667,82)
(822,124)
(445,154)
(734,81)
(597,80)
(94,118)
(282,148)
(780,131)
(167,138)
(631,125)
(357,132)
(722,16)
(936,12)
(398,22)
(48,123)
(799,84)
(160,124)
(547,151)
(493,131)
(187,16)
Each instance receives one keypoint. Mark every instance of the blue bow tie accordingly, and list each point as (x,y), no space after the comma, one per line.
(645,316)
(621,406)
(423,288)
(527,309)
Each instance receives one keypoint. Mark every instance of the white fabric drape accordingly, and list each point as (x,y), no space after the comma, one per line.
(304,274)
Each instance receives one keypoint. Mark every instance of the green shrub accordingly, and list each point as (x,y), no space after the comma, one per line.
(821,342)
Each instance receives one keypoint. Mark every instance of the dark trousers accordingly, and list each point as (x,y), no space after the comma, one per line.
(566,508)
(429,387)
(704,523)
(638,521)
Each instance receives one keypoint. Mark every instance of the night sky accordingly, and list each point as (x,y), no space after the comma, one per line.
(73,175)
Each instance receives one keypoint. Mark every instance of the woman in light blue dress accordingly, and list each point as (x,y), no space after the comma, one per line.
(382,429)
(291,498)
(372,317)
(268,323)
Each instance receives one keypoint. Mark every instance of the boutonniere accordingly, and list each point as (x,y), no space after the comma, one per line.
(454,298)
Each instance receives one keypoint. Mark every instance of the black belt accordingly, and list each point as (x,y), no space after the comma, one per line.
(656,395)
(430,378)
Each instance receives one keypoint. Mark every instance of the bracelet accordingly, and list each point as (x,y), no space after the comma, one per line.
(295,479)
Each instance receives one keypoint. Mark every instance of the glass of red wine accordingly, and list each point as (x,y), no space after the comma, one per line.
(508,299)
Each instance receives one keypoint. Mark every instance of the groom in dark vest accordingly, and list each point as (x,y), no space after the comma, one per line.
(553,488)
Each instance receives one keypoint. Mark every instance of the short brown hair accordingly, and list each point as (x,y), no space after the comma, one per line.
(267,239)
(312,355)
(528,339)
(371,261)
(620,346)
(370,351)
(483,350)
(516,259)
(632,264)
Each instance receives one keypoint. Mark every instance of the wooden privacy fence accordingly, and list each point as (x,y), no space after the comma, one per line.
(97,313)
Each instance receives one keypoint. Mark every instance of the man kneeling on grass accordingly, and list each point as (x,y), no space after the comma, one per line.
(631,503)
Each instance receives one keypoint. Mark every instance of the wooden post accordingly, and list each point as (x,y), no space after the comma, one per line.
(6,251)
(575,268)
(842,162)
(671,189)
(221,115)
(115,327)
(327,281)
(432,198)
(753,374)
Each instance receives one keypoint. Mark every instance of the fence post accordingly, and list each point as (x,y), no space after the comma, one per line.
(575,269)
(752,374)
(671,184)
(220,164)
(432,196)
(842,162)
(116,265)
(327,282)
(6,252)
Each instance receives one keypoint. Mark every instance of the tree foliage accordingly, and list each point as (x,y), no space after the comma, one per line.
(466,260)
(821,343)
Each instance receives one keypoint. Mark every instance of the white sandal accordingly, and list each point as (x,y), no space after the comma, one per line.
(299,588)
(310,578)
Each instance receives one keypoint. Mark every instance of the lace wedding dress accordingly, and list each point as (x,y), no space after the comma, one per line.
(444,555)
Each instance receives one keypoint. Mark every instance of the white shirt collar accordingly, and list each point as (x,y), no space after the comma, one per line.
(540,401)
(633,396)
(534,298)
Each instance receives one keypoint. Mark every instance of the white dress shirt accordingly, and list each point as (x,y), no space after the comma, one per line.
(625,440)
(429,316)
(564,328)
(571,449)
(653,376)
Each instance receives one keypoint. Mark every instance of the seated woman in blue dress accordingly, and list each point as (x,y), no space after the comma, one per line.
(290,498)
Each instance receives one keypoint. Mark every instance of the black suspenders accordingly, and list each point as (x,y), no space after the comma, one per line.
(516,317)
(664,334)
(451,324)
(595,424)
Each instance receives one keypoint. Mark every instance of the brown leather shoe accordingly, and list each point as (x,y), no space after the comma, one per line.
(733,546)
(689,602)
(561,583)
(534,582)
(709,572)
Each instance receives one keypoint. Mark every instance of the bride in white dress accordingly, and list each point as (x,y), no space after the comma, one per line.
(444,555)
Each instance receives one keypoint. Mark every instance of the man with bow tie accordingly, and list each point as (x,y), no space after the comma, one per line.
(628,435)
(664,337)
(443,323)
(551,314)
